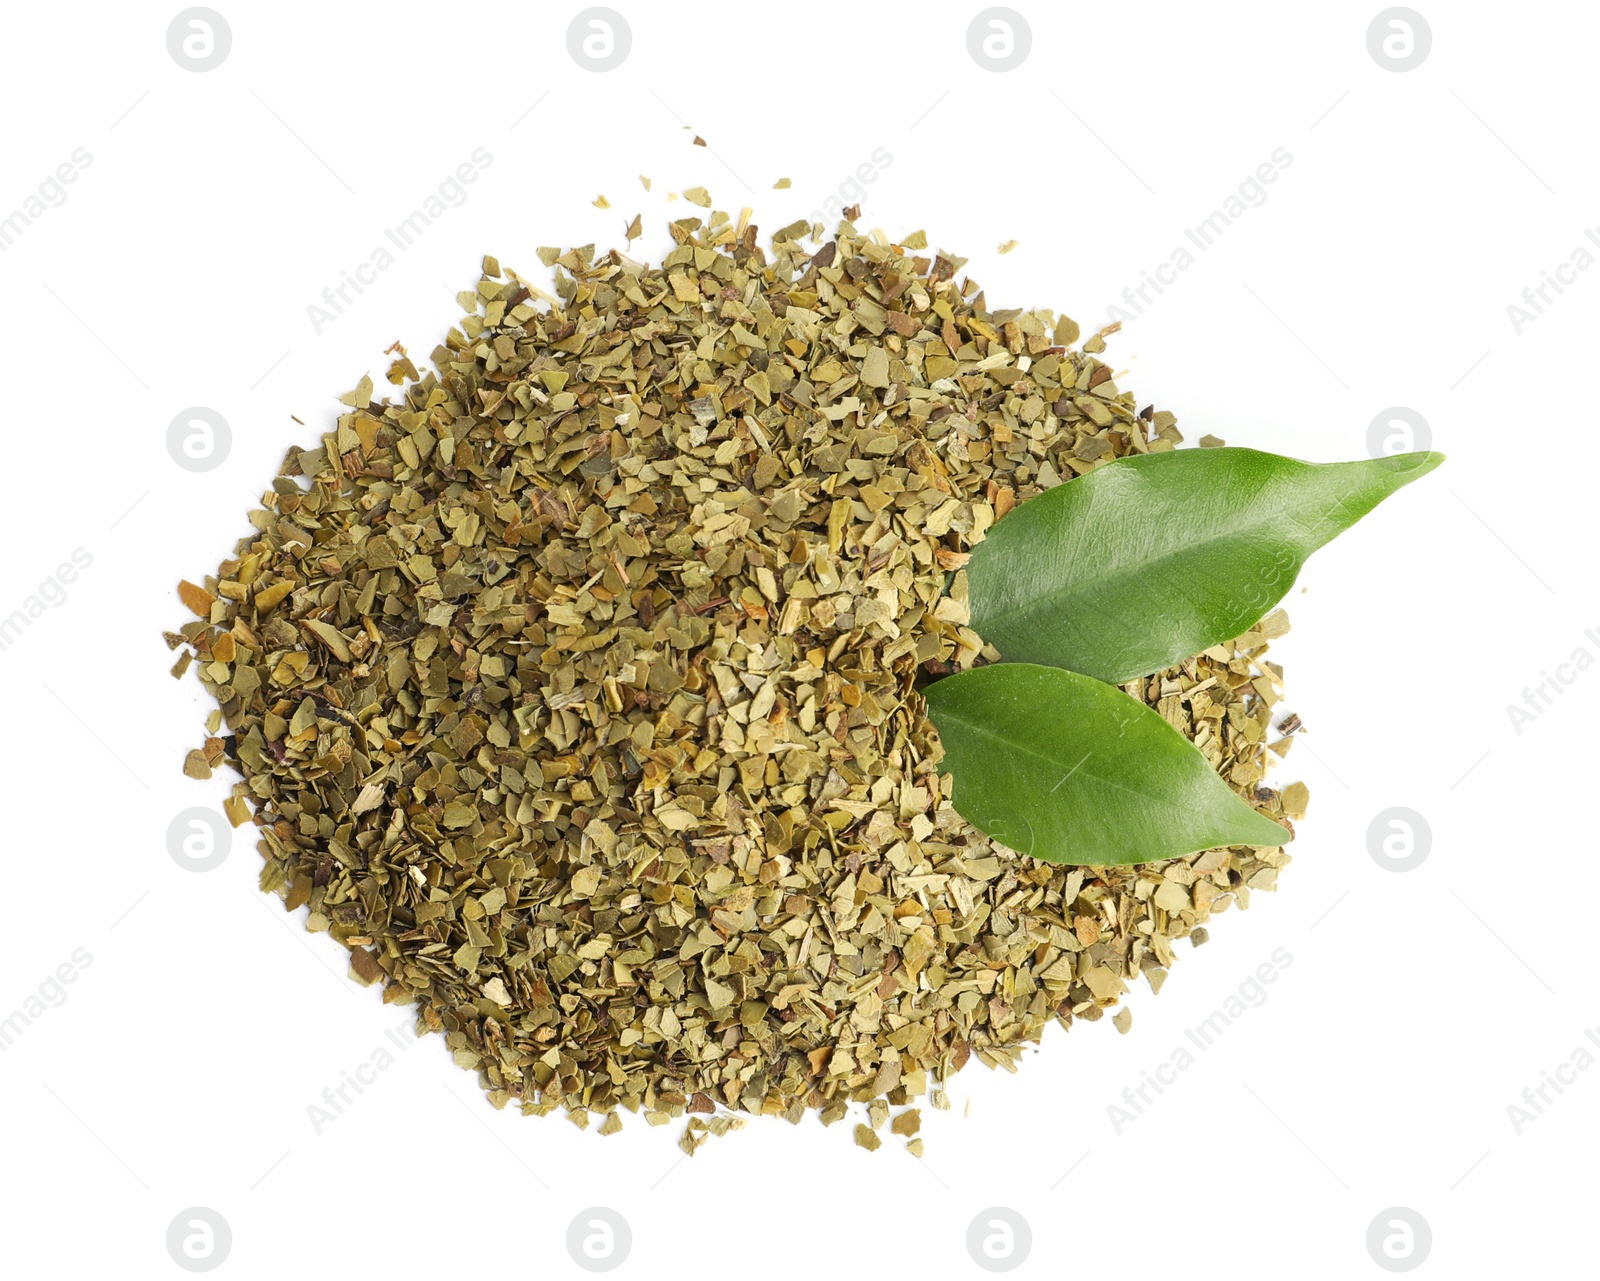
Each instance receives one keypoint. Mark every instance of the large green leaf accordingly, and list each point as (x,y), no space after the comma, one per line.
(1071,770)
(1147,560)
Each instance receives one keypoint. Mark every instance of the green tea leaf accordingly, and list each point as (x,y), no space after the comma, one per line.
(1071,770)
(1147,560)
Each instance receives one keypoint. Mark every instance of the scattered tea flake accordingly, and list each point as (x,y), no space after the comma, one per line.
(875,368)
(1103,983)
(1212,442)
(783,184)
(645,181)
(634,229)
(915,1147)
(329,636)
(1296,796)
(195,765)
(364,966)
(196,598)
(269,597)
(697,196)
(1122,1020)
(371,796)
(865,1138)
(600,202)
(908,1122)
(361,397)
(612,1124)
(916,240)
(1007,246)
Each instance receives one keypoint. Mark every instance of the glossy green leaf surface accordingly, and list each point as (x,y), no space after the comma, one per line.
(1147,560)
(1071,770)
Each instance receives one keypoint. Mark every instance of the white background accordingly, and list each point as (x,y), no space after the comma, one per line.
(1419,1005)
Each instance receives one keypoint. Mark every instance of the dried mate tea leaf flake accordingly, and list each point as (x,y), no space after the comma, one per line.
(1295,798)
(198,599)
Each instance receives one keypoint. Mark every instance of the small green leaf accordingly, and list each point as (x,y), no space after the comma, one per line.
(1071,770)
(1147,560)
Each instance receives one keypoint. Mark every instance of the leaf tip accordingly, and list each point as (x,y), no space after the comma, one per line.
(1279,836)
(1411,466)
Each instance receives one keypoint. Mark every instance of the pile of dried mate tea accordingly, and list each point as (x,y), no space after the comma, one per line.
(576,690)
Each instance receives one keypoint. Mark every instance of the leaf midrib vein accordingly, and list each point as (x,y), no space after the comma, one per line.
(1213,818)
(985,732)
(1119,577)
